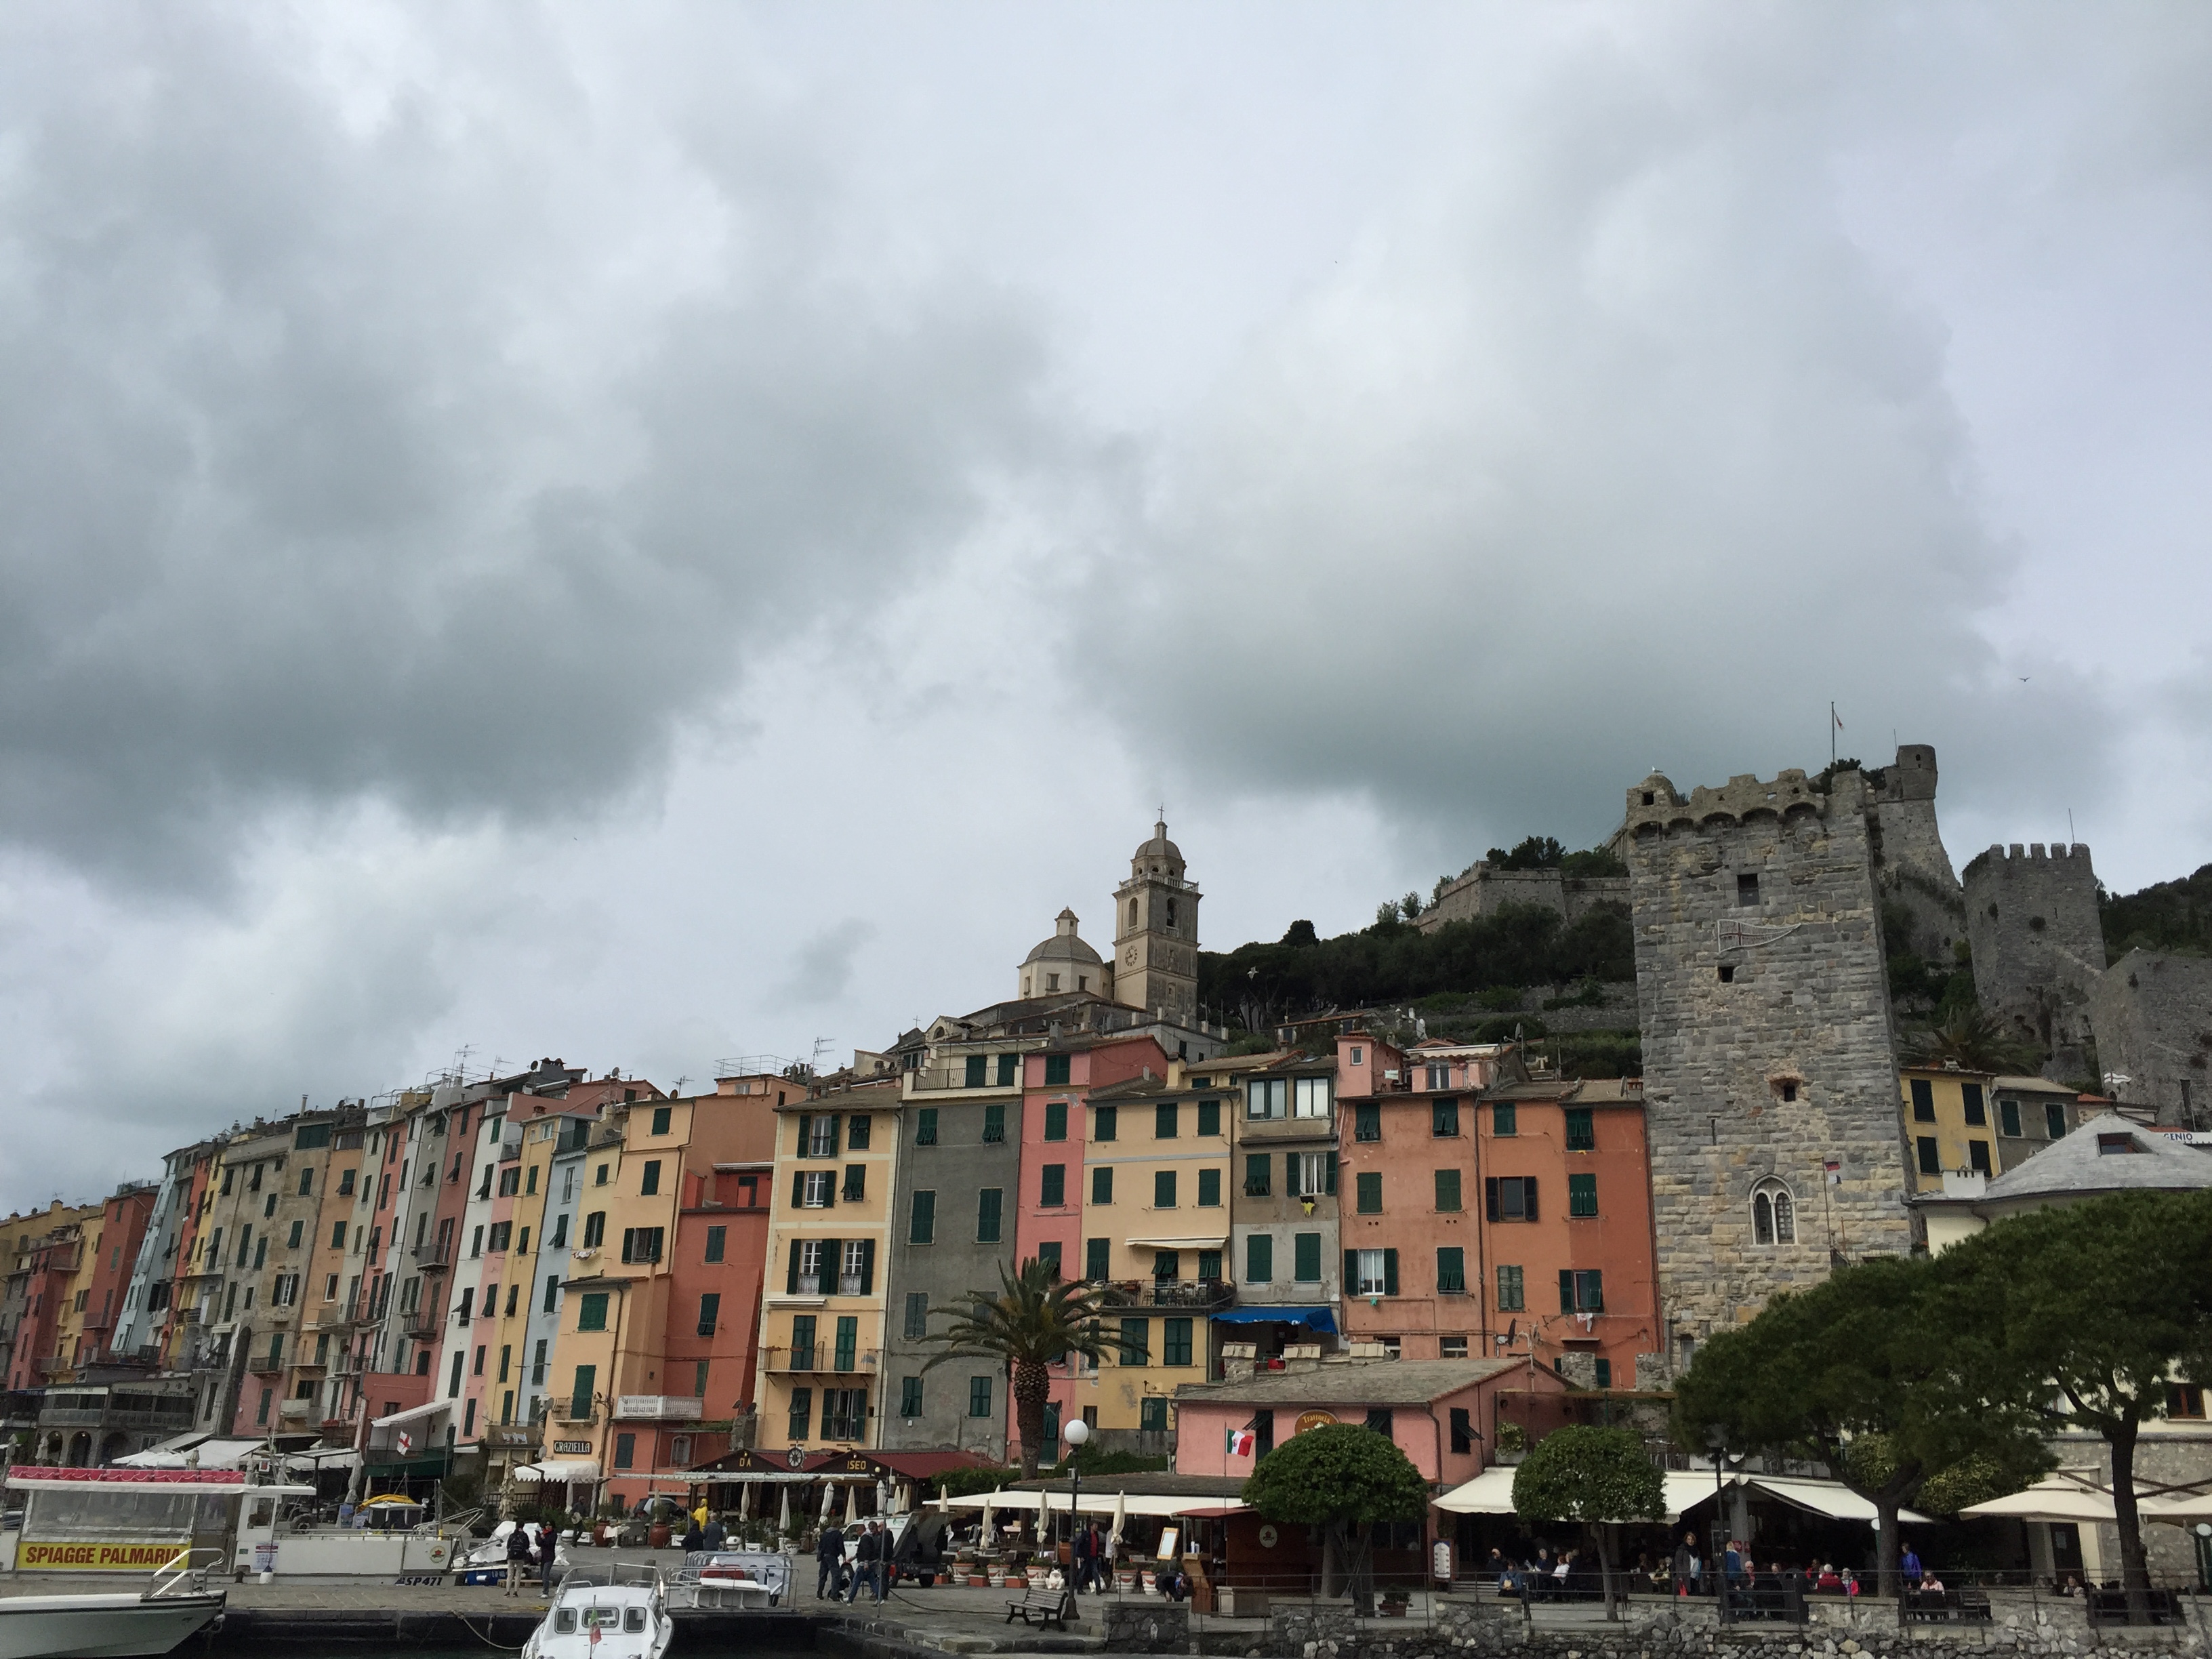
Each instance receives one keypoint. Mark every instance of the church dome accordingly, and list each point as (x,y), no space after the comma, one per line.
(1159,856)
(1064,945)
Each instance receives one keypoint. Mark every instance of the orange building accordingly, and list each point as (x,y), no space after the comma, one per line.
(1565,1258)
(1409,1193)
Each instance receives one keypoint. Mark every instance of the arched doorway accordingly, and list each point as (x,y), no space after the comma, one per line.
(52,1454)
(80,1450)
(116,1445)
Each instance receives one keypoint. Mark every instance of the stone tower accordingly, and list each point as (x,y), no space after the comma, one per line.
(1912,873)
(1770,1069)
(1156,934)
(2038,946)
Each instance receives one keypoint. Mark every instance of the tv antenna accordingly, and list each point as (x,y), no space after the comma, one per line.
(822,1044)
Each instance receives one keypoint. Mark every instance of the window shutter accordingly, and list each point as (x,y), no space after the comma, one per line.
(1390,1273)
(1330,1169)
(836,1124)
(1566,1290)
(805,1129)
(798,1188)
(790,1280)
(1490,1196)
(1290,1175)
(867,1266)
(1529,1200)
(833,1266)
(1350,1272)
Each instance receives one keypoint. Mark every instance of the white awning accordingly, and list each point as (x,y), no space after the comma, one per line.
(1094,1503)
(226,1454)
(1213,1242)
(1491,1493)
(557,1470)
(345,1458)
(2061,1496)
(413,1414)
(1830,1498)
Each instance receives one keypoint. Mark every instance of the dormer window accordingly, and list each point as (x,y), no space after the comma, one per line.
(1052,982)
(2109,1144)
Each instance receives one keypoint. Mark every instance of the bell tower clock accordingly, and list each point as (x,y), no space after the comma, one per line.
(1156,934)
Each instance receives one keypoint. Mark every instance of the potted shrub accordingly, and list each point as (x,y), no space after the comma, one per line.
(1512,1443)
(1393,1604)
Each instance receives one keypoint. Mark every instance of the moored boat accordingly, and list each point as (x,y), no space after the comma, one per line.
(605,1621)
(117,1625)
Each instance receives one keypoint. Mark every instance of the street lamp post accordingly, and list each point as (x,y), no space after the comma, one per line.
(1075,1433)
(1716,1438)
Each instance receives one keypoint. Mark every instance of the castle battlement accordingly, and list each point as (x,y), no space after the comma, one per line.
(1656,805)
(2034,854)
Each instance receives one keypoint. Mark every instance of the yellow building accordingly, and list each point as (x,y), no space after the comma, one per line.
(822,1321)
(1946,1124)
(1155,1229)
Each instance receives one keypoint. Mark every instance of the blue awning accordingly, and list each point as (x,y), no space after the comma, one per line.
(1319,1319)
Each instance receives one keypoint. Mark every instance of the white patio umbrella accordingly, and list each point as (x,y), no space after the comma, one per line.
(851,1502)
(745,1501)
(983,1531)
(783,1516)
(883,1496)
(829,1497)
(1121,1515)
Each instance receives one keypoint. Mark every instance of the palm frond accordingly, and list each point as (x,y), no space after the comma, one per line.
(1035,1317)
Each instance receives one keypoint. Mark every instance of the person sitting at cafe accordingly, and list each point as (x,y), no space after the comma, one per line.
(1829,1583)
(1928,1581)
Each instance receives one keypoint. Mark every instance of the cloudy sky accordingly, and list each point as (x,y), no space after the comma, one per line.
(655,534)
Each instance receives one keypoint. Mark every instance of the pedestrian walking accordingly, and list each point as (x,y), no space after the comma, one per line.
(518,1559)
(1686,1563)
(830,1556)
(868,1567)
(548,1550)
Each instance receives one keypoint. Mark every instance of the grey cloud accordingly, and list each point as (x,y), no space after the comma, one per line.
(1610,448)
(821,968)
(339,466)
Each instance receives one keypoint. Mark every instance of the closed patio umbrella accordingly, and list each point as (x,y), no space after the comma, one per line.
(783,1516)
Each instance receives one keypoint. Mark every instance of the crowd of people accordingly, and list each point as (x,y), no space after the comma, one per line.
(1539,1575)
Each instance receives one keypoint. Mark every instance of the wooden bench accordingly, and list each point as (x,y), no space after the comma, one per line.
(1049,1605)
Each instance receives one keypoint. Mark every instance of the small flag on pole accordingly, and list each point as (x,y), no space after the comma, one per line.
(1835,1172)
(1241,1442)
(406,1443)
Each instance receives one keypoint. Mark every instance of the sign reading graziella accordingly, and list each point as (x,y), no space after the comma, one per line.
(96,1557)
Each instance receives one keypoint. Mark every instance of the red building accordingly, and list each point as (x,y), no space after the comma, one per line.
(106,1275)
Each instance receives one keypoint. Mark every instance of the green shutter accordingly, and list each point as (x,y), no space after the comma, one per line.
(1451,1269)
(1055,1120)
(867,1266)
(1328,1174)
(1256,1171)
(1164,1189)
(1350,1272)
(977,1063)
(1055,1070)
(836,1124)
(805,1129)
(1448,1190)
(1305,1258)
(1290,1175)
(1390,1273)
(1259,1259)
(986,1215)
(1369,1183)
(1209,1117)
(921,1225)
(798,1188)
(1566,1290)
(1209,1187)
(579,1396)
(1096,1258)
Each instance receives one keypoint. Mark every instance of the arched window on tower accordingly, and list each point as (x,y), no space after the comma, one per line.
(1773,1214)
(1132,913)
(1170,913)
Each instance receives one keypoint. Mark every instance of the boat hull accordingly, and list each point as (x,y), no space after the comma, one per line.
(100,1626)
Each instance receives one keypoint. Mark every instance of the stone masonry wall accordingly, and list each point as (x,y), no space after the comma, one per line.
(1911,869)
(1460,1627)
(1482,891)
(2038,945)
(1749,997)
(2153,1017)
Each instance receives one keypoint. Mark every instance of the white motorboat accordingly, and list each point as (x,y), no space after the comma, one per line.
(605,1621)
(491,1554)
(115,1626)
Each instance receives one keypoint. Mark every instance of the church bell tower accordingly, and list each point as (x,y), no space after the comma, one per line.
(1156,934)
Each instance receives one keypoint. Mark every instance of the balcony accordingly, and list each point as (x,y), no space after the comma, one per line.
(828,1284)
(659,1407)
(938,1078)
(434,1255)
(420,1326)
(295,1411)
(53,1364)
(102,1320)
(1253,1131)
(1190,1295)
(821,1358)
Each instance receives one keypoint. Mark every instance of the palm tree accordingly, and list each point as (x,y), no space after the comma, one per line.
(1036,1318)
(1972,1040)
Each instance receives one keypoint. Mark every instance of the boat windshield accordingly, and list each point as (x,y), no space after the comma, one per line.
(634,1619)
(602,1618)
(564,1622)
